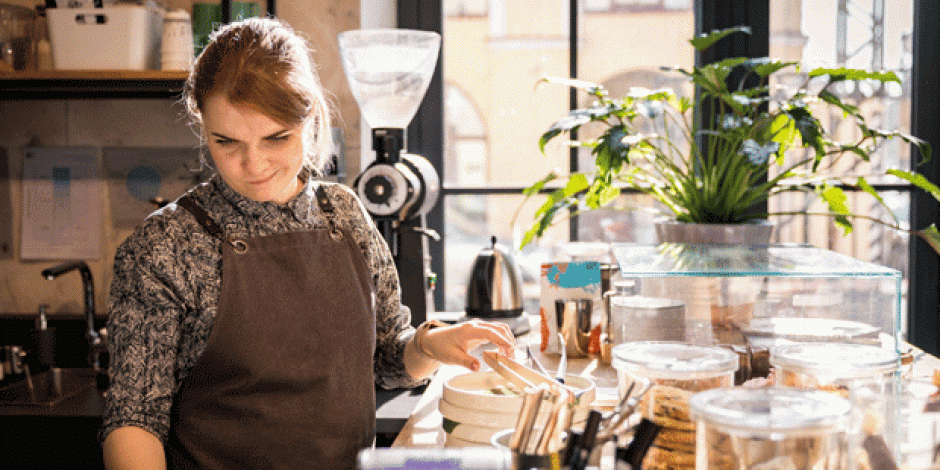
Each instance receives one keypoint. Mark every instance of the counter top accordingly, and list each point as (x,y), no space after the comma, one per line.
(424,428)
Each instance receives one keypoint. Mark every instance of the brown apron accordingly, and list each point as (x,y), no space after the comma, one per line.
(286,379)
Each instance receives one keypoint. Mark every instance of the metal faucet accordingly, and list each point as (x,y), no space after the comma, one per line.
(95,344)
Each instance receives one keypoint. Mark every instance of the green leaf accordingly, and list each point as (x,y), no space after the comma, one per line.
(535,188)
(931,236)
(576,183)
(704,41)
(862,183)
(917,180)
(843,74)
(782,131)
(835,197)
(832,99)
(765,66)
(449,425)
(564,124)
(809,128)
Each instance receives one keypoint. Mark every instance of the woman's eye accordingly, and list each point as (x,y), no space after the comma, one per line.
(279,137)
(223,141)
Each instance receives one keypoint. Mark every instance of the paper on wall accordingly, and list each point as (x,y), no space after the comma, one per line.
(62,204)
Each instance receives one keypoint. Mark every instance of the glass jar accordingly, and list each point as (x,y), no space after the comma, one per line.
(834,367)
(675,371)
(773,428)
(866,375)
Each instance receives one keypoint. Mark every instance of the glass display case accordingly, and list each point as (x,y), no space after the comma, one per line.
(753,295)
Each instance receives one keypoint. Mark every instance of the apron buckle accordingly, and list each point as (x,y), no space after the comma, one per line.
(239,246)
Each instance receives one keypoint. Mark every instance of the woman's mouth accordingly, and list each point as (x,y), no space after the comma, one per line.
(261,181)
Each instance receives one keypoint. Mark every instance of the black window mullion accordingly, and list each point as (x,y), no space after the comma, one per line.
(573,102)
(426,132)
(923,310)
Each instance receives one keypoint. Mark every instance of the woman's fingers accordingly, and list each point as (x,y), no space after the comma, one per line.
(453,344)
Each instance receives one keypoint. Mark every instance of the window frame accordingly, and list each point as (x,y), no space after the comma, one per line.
(425,134)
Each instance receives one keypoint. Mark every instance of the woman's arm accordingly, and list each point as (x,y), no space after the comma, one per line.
(132,448)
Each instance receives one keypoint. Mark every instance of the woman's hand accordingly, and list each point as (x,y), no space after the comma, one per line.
(452,345)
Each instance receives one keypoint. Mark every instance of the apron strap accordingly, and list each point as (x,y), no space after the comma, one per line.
(328,210)
(189,203)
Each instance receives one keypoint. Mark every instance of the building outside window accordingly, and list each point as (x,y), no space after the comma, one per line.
(495,52)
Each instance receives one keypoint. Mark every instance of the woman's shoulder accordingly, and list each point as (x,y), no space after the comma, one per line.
(343,197)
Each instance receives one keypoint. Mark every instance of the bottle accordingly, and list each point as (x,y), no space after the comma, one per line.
(43,45)
(45,337)
(176,48)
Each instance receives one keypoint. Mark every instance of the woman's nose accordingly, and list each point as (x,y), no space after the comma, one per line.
(252,159)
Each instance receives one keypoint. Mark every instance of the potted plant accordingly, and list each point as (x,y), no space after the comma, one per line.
(716,173)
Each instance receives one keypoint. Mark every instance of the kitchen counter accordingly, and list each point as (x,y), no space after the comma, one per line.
(424,429)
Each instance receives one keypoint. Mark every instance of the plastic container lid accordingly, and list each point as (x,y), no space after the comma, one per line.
(764,411)
(638,302)
(842,360)
(673,360)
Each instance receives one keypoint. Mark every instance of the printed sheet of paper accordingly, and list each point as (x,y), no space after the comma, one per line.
(63,198)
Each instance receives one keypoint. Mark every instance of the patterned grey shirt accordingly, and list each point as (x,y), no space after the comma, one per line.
(167,280)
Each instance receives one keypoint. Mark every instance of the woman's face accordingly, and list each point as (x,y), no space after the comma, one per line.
(256,155)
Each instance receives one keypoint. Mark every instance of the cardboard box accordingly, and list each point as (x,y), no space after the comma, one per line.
(570,280)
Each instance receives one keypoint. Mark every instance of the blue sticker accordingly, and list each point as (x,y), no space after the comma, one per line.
(574,274)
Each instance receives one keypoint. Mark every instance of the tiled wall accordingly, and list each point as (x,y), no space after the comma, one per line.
(139,123)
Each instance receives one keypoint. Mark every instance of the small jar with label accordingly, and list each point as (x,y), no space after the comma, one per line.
(771,428)
(674,371)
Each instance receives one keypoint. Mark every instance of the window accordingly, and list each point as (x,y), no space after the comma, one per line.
(495,112)
(868,34)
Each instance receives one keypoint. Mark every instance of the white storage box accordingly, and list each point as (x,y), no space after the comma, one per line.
(110,38)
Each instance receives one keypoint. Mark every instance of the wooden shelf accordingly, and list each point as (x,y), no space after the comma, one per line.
(91,84)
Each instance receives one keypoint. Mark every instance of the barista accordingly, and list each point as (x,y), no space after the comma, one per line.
(251,319)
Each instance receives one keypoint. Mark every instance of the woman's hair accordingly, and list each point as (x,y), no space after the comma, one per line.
(263,63)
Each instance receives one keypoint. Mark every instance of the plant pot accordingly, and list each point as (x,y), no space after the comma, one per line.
(751,233)
(718,307)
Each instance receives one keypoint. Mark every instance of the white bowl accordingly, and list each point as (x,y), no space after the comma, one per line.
(473,412)
(470,432)
(461,415)
(482,391)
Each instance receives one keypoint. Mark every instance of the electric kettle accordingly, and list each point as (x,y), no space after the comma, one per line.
(495,287)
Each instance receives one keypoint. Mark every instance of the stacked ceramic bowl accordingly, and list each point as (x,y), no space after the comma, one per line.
(479,404)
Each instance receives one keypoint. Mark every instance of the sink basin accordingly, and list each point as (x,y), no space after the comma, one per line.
(48,388)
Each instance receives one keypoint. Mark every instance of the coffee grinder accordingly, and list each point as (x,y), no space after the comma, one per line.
(389,71)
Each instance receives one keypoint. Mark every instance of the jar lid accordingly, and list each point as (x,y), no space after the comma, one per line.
(646,303)
(763,411)
(846,360)
(673,360)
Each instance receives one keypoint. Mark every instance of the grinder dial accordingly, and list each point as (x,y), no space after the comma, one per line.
(386,189)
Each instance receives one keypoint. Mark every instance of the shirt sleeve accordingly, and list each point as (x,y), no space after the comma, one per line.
(143,334)
(392,319)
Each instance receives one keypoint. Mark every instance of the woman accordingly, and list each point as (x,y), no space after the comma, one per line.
(251,320)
